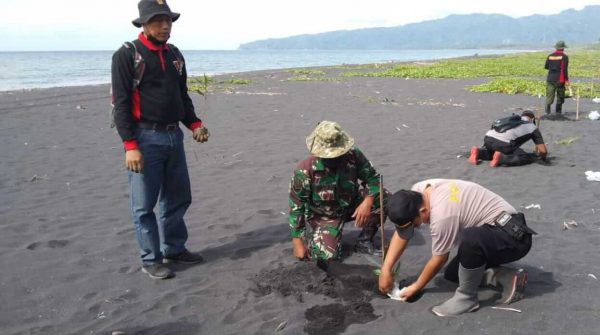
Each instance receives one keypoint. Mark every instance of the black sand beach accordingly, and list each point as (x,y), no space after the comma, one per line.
(67,246)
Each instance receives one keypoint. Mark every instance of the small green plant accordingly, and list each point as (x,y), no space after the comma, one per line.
(308,75)
(307,72)
(377,270)
(200,85)
(236,81)
(566,141)
(359,67)
(307,78)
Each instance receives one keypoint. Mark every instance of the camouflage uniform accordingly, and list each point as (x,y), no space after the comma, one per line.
(326,199)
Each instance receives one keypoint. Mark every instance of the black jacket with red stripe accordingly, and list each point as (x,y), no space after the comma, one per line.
(162,95)
(557,64)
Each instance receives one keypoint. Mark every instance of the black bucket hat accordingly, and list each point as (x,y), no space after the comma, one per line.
(402,209)
(150,8)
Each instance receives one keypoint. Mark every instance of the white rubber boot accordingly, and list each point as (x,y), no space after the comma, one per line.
(465,298)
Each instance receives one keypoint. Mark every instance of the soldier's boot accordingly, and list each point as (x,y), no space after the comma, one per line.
(548,109)
(558,108)
(474,155)
(512,281)
(364,242)
(497,159)
(465,298)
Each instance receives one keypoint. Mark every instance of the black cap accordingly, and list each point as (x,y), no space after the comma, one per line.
(150,8)
(402,208)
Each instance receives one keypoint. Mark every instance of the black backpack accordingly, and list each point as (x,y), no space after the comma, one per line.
(139,66)
(506,123)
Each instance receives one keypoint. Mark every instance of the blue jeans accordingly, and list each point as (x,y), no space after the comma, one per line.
(164,178)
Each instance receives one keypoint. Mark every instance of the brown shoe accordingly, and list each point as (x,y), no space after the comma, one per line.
(474,155)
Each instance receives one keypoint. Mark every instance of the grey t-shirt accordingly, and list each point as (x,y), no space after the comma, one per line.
(458,204)
(519,134)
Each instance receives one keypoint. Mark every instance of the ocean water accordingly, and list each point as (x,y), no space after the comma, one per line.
(25,70)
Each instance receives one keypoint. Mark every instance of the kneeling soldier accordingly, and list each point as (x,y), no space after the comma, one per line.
(325,193)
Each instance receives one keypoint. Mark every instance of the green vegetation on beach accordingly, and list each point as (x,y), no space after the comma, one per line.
(309,78)
(511,74)
(522,73)
(309,75)
(204,84)
(236,81)
(307,72)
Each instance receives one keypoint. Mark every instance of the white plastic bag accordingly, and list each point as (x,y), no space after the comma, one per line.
(592,175)
(594,115)
(396,292)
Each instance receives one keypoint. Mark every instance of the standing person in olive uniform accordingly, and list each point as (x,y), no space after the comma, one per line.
(147,118)
(325,192)
(557,64)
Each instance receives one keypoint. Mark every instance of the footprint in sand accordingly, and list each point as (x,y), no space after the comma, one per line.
(231,226)
(127,269)
(125,231)
(224,239)
(57,244)
(269,212)
(52,244)
(246,252)
(94,309)
(90,295)
(34,245)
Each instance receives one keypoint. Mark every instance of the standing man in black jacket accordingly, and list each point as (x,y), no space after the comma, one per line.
(557,64)
(147,114)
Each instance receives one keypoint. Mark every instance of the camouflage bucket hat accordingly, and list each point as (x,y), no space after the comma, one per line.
(329,140)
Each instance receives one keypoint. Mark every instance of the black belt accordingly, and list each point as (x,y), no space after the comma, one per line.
(158,126)
(514,224)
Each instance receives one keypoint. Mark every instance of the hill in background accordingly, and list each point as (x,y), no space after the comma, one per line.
(456,32)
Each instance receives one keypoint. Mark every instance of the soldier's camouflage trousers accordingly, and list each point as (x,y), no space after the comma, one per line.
(325,241)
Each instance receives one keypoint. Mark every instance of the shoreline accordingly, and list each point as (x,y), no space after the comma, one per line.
(196,63)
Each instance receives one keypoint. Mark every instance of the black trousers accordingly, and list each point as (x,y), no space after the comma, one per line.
(513,155)
(486,245)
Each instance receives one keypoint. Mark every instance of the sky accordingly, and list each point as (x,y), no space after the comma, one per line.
(35,25)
